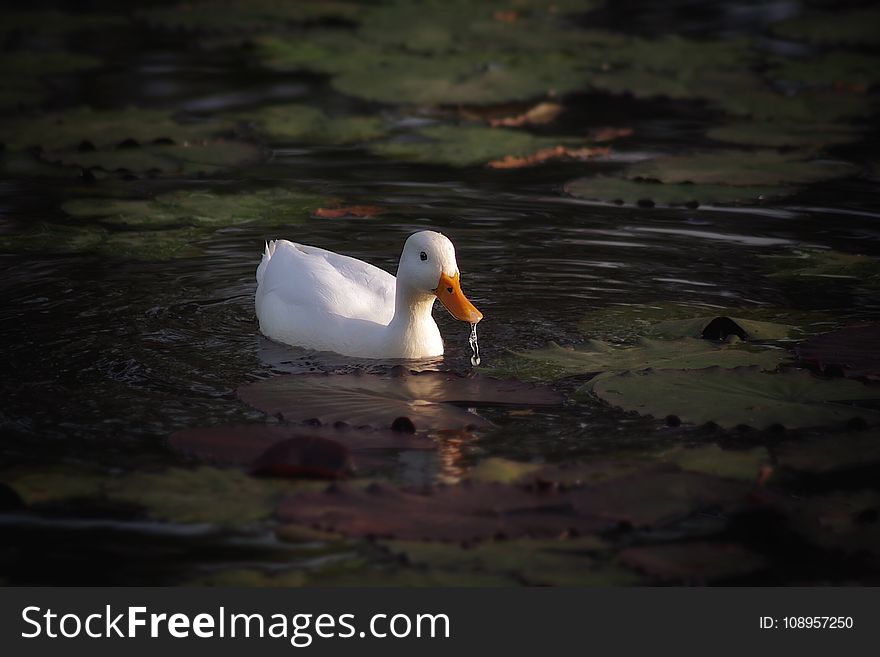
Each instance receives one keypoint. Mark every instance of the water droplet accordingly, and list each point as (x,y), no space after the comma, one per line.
(475,347)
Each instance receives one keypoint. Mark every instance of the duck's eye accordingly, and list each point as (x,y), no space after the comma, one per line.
(423,255)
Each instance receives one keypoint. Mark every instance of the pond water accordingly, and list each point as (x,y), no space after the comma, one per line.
(105,357)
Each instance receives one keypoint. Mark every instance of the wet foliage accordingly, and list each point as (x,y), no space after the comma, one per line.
(667,216)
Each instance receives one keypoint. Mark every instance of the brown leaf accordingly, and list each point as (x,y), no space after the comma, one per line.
(538,115)
(546,154)
(348,211)
(610,134)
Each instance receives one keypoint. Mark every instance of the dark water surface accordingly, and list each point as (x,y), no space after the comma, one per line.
(104,358)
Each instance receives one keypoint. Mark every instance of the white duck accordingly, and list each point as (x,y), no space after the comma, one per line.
(322,300)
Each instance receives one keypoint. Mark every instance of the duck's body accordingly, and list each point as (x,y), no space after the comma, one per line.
(313,298)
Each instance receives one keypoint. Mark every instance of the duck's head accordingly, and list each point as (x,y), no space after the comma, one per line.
(428,264)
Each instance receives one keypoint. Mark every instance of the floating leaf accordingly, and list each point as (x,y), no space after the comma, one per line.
(86,130)
(137,245)
(463,145)
(595,356)
(628,322)
(275,206)
(473,511)
(741,396)
(853,27)
(831,454)
(243,444)
(852,70)
(238,16)
(744,465)
(468,511)
(303,123)
(55,483)
(731,167)
(202,157)
(359,399)
(535,562)
(202,495)
(443,26)
(693,562)
(305,456)
(784,133)
(619,190)
(855,350)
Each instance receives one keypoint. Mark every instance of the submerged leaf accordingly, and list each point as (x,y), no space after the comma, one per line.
(305,456)
(740,396)
(547,154)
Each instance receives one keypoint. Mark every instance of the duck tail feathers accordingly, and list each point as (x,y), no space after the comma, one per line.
(267,255)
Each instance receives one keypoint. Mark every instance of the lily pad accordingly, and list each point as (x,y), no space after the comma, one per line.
(733,167)
(464,512)
(462,145)
(855,27)
(364,400)
(303,123)
(854,350)
(831,454)
(473,79)
(780,134)
(443,26)
(595,356)
(608,189)
(244,444)
(536,562)
(628,322)
(237,16)
(201,495)
(740,396)
(743,465)
(305,456)
(201,157)
(842,69)
(276,206)
(136,245)
(55,483)
(86,130)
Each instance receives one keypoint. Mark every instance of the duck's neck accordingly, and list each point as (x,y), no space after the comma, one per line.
(412,324)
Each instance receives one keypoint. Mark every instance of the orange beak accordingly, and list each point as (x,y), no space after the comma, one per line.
(450,295)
